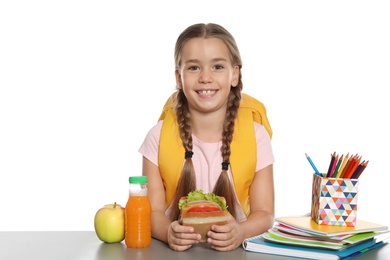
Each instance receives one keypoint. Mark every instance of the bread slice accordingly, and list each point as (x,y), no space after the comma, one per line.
(202,221)
(202,226)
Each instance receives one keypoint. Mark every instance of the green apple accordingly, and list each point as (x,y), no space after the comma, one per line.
(110,223)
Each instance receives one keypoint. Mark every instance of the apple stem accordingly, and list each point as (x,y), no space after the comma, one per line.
(114,205)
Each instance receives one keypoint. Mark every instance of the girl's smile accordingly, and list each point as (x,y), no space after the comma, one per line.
(206,93)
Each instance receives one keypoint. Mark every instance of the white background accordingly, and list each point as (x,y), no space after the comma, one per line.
(81,83)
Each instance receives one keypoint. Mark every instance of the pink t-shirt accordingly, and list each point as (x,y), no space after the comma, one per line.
(207,157)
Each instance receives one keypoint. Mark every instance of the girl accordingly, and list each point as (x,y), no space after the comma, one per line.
(211,137)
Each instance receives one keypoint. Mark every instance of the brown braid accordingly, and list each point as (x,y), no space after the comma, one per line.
(187,181)
(223,186)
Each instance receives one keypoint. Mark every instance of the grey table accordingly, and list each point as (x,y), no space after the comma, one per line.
(75,245)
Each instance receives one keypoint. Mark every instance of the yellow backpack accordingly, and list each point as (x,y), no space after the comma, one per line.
(243,156)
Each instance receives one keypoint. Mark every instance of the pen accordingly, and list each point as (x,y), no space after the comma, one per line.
(312,165)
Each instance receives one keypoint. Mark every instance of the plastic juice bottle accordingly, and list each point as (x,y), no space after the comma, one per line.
(138,232)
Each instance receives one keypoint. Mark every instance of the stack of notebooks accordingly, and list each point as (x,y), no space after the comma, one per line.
(300,236)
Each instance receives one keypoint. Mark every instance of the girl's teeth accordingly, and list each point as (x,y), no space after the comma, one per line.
(207,92)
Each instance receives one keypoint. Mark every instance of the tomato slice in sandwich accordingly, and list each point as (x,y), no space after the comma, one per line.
(204,208)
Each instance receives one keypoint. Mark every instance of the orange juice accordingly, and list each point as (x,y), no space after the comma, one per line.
(138,218)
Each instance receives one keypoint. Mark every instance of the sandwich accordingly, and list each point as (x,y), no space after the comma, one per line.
(202,210)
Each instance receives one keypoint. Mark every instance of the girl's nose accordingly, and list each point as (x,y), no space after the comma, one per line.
(205,76)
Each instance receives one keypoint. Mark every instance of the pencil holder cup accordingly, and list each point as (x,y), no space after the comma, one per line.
(334,201)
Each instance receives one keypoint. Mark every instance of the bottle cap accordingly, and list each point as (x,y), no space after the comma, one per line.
(138,179)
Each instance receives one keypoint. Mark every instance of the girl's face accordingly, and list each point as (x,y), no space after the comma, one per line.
(206,74)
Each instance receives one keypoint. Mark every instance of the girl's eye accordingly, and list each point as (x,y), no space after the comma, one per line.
(193,68)
(218,67)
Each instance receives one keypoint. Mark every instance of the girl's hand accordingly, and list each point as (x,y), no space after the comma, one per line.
(226,237)
(181,238)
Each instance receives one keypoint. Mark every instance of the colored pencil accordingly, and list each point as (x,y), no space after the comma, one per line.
(346,173)
(346,167)
(352,167)
(336,170)
(342,165)
(312,165)
(331,164)
(355,172)
(336,159)
(361,170)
